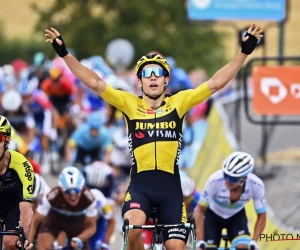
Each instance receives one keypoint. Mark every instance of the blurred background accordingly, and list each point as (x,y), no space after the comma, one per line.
(257,112)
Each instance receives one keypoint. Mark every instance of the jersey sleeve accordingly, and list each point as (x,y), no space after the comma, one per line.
(91,210)
(26,175)
(76,135)
(122,100)
(208,193)
(107,210)
(189,98)
(44,207)
(259,197)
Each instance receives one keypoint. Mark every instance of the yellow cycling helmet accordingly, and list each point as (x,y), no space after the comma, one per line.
(155,59)
(5,127)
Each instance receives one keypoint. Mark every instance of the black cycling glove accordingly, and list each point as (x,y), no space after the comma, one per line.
(249,45)
(61,50)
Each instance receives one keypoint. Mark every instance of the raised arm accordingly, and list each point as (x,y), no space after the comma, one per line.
(225,74)
(85,75)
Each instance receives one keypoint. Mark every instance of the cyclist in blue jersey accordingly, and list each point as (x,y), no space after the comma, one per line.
(91,138)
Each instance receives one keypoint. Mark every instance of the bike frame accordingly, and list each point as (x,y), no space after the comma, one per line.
(224,248)
(157,229)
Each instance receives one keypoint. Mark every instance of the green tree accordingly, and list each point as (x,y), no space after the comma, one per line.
(12,49)
(89,25)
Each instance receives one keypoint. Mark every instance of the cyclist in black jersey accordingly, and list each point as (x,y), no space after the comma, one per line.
(154,123)
(16,188)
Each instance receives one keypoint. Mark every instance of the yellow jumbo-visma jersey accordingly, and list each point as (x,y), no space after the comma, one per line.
(17,181)
(155,136)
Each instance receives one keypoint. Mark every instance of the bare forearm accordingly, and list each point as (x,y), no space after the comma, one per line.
(68,152)
(25,220)
(88,232)
(85,75)
(199,220)
(259,226)
(225,74)
(107,156)
(34,225)
(110,229)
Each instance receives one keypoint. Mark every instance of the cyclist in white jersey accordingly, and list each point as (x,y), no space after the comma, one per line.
(222,204)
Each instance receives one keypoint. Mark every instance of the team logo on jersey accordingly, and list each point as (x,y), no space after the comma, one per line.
(179,148)
(30,189)
(150,111)
(131,149)
(135,205)
(139,135)
(127,197)
(141,112)
(157,130)
(184,214)
(107,209)
(52,194)
(28,170)
(157,125)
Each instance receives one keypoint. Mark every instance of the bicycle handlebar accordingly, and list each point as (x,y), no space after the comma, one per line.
(226,248)
(160,226)
(18,232)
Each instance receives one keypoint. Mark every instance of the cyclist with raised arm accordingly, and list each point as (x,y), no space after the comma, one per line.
(154,123)
(222,204)
(16,187)
(70,207)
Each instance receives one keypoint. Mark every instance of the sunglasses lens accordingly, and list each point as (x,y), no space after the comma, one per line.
(231,179)
(2,138)
(72,191)
(148,72)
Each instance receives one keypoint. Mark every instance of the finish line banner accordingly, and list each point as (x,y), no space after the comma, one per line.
(214,10)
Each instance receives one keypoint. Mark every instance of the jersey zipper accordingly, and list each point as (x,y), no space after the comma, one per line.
(155,139)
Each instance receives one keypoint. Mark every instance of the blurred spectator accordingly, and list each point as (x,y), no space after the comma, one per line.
(179,79)
(197,77)
(19,115)
(39,68)
(59,88)
(194,132)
